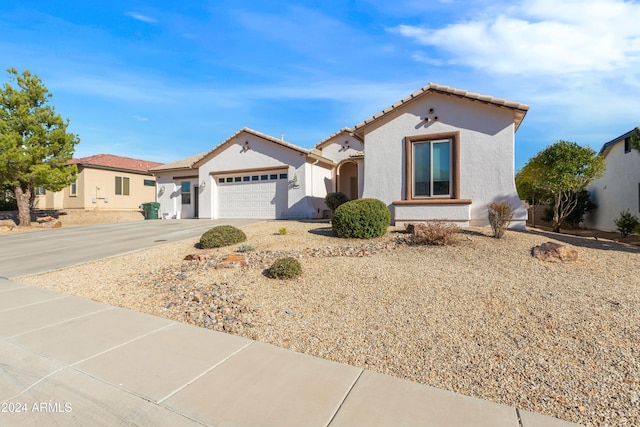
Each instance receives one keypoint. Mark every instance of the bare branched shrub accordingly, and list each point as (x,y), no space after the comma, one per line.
(434,233)
(500,215)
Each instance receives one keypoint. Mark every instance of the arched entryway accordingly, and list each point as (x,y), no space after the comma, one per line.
(348,179)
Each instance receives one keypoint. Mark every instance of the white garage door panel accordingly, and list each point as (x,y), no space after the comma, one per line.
(265,199)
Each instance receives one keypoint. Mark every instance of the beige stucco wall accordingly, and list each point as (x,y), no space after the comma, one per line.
(96,190)
(617,191)
(486,158)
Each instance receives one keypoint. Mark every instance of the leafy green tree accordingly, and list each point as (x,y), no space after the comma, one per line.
(635,140)
(34,143)
(531,189)
(562,170)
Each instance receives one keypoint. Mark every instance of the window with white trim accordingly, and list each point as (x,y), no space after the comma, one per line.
(73,189)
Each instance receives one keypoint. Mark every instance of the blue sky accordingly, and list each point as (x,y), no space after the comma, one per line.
(162,80)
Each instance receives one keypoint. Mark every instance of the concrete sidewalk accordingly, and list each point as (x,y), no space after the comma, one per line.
(72,362)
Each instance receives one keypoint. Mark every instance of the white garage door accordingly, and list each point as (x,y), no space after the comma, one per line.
(253,196)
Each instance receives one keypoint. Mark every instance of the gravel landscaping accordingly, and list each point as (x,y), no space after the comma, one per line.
(481,317)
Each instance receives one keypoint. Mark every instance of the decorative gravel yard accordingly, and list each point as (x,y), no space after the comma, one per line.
(481,317)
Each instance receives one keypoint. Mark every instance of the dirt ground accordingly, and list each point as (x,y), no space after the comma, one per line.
(67,218)
(76,217)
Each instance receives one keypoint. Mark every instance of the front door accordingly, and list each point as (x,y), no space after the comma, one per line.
(196,200)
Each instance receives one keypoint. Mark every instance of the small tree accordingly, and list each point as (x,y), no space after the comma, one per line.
(530,188)
(34,143)
(635,140)
(563,170)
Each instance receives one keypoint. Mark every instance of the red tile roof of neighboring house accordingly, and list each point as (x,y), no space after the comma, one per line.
(109,161)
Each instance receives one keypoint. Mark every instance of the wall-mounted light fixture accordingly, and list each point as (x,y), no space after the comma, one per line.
(162,190)
(246,146)
(203,185)
(294,182)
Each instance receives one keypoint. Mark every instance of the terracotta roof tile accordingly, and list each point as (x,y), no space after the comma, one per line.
(519,108)
(115,162)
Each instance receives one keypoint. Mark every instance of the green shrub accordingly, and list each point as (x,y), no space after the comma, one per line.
(627,223)
(246,247)
(500,215)
(222,235)
(283,231)
(285,268)
(333,200)
(361,218)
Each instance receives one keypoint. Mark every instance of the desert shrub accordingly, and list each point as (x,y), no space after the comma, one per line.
(285,268)
(500,215)
(361,218)
(438,233)
(283,231)
(627,223)
(246,247)
(333,200)
(222,235)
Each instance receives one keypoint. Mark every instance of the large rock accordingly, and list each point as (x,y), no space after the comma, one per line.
(554,252)
(233,261)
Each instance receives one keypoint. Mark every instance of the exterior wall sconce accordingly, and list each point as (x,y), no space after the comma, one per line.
(294,182)
(246,146)
(203,185)
(162,190)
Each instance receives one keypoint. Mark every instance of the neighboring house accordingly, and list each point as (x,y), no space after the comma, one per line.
(619,188)
(104,181)
(441,153)
(250,175)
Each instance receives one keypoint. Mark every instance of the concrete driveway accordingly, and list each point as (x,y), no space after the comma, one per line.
(24,254)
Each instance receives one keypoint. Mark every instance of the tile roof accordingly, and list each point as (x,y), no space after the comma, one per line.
(519,109)
(322,143)
(186,163)
(313,153)
(608,145)
(109,161)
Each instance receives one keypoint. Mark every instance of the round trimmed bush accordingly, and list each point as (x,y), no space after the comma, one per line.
(285,268)
(361,218)
(222,235)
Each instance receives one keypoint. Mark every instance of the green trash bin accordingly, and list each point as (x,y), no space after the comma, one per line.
(151,210)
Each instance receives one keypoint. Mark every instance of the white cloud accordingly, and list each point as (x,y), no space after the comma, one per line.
(540,37)
(141,17)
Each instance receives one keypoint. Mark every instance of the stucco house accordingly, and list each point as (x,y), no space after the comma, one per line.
(619,187)
(440,153)
(104,181)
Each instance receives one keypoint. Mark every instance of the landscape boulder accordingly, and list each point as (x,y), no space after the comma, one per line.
(49,222)
(233,261)
(554,252)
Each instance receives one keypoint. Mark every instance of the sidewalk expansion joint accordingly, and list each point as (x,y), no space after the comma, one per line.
(122,344)
(33,303)
(196,378)
(61,322)
(346,396)
(519,418)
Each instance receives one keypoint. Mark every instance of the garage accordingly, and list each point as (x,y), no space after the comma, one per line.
(258,195)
